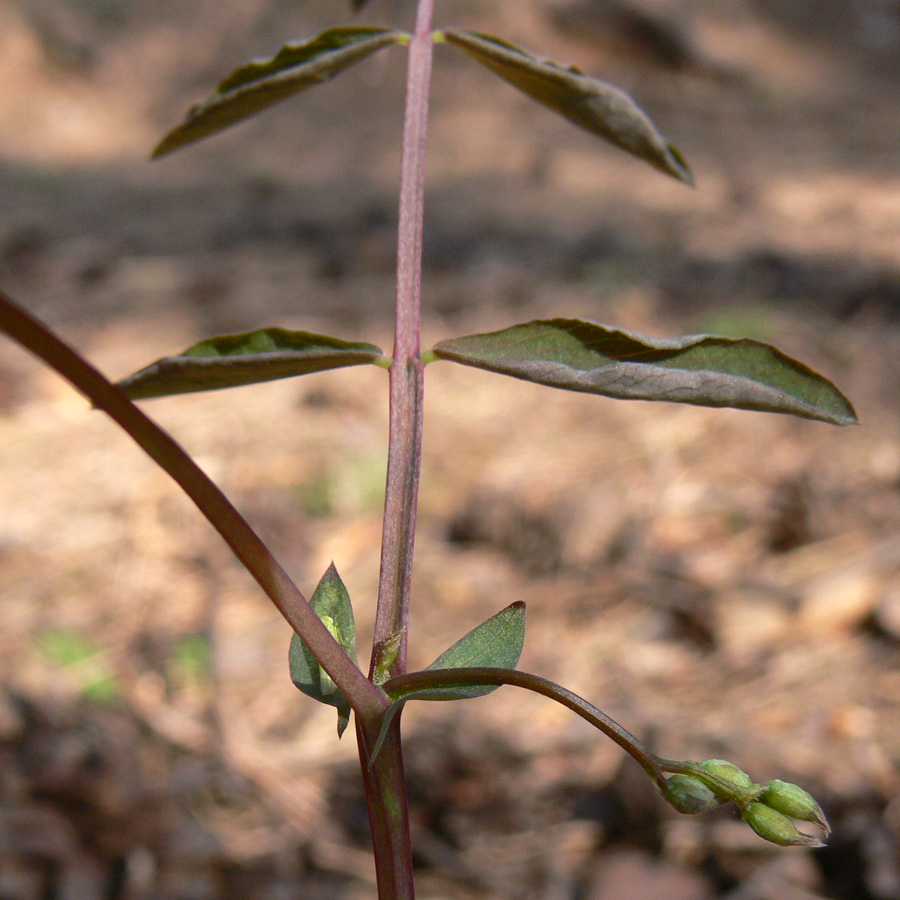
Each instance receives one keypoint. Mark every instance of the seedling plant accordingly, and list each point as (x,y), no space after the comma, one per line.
(564,353)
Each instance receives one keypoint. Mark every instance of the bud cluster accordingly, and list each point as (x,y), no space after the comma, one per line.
(768,809)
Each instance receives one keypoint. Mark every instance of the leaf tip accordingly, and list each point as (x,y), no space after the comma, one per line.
(841,413)
(164,147)
(850,417)
(678,167)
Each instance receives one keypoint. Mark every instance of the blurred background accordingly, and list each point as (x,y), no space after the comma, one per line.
(722,583)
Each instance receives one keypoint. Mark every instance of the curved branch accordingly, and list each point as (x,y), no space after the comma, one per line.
(364,697)
(406,686)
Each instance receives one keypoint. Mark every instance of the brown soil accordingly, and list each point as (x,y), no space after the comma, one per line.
(723,583)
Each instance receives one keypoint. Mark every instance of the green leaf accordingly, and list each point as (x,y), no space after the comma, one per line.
(496,643)
(261,83)
(592,104)
(576,355)
(233,360)
(331,603)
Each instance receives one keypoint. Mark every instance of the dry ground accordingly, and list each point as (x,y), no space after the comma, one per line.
(722,583)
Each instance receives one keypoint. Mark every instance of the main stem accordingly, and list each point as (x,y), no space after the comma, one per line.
(406,376)
(384,780)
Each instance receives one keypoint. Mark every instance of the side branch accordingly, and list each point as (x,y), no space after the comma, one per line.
(408,685)
(169,455)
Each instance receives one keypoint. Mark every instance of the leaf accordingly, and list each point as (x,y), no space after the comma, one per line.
(261,83)
(592,104)
(331,603)
(233,360)
(703,370)
(496,643)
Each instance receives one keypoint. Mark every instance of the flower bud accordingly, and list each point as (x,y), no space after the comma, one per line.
(689,795)
(730,773)
(793,801)
(776,827)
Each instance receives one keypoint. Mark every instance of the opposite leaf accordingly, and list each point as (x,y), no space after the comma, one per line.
(259,84)
(233,360)
(331,603)
(577,355)
(588,102)
(496,643)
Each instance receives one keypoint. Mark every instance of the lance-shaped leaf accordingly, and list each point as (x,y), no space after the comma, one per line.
(257,85)
(233,360)
(592,104)
(331,603)
(496,643)
(699,369)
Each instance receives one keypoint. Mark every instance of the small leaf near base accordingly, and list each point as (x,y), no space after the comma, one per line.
(331,603)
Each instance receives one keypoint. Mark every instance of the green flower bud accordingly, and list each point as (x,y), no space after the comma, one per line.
(742,783)
(793,801)
(689,795)
(776,827)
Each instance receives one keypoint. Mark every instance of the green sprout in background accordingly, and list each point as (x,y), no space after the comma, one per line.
(82,662)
